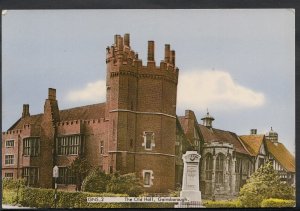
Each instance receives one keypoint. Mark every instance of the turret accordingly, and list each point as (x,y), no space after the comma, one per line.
(207,120)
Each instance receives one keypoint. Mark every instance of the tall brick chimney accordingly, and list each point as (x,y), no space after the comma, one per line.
(150,51)
(51,110)
(167,53)
(25,112)
(51,94)
(126,40)
(173,58)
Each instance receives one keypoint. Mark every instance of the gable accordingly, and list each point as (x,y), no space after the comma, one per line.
(262,150)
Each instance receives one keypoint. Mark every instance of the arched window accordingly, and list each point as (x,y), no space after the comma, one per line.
(208,166)
(219,168)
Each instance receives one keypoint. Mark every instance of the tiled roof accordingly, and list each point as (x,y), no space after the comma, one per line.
(95,111)
(216,135)
(252,143)
(282,155)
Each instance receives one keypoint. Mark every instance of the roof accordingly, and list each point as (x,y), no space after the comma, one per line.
(216,135)
(252,143)
(94,111)
(282,155)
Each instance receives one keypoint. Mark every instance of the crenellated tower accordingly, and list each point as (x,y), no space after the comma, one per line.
(141,109)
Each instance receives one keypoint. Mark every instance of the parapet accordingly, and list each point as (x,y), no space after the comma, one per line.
(122,57)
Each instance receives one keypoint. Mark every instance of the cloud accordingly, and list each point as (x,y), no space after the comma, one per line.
(197,90)
(93,92)
(216,90)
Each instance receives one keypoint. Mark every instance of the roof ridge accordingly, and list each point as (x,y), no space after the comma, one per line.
(95,104)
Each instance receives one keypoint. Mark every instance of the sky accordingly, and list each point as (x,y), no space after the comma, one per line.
(238,64)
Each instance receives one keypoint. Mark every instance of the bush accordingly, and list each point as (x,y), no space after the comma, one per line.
(12,184)
(222,204)
(96,181)
(12,190)
(127,183)
(278,203)
(263,184)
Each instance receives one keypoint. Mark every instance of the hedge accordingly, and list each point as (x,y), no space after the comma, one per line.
(222,204)
(12,184)
(278,203)
(44,198)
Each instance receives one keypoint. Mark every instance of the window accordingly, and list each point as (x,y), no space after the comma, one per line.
(30,174)
(9,175)
(148,140)
(69,145)
(147,178)
(9,159)
(31,146)
(219,168)
(9,143)
(65,176)
(101,147)
(110,169)
(208,166)
(260,162)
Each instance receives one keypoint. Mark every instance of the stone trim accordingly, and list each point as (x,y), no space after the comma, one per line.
(151,178)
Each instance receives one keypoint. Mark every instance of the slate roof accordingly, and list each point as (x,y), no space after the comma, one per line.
(282,155)
(222,136)
(252,143)
(95,111)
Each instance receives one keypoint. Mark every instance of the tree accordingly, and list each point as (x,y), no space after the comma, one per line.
(80,168)
(264,184)
(96,181)
(127,183)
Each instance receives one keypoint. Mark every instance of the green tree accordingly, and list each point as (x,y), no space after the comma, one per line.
(127,183)
(264,184)
(96,181)
(80,168)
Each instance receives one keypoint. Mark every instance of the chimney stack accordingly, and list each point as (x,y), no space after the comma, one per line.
(126,40)
(120,42)
(51,94)
(173,58)
(25,112)
(253,131)
(167,53)
(151,51)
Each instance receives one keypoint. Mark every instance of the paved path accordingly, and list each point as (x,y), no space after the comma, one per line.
(8,206)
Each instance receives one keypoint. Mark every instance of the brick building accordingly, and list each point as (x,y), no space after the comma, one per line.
(135,130)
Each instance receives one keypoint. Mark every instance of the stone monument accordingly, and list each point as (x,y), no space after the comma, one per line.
(190,180)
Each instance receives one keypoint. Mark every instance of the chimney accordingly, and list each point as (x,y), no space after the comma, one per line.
(150,51)
(127,39)
(116,39)
(173,58)
(167,53)
(120,42)
(25,112)
(51,94)
(253,131)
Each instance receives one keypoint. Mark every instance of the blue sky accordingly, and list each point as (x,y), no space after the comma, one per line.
(240,64)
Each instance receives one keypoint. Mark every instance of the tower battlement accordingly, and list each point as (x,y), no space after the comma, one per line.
(121,58)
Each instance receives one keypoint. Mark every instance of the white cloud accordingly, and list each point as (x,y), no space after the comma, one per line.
(216,90)
(196,90)
(92,93)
